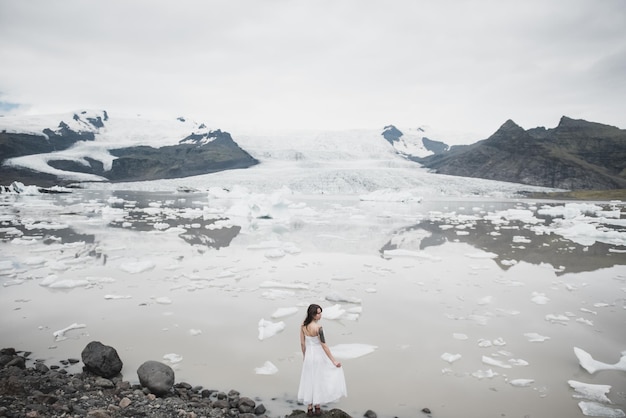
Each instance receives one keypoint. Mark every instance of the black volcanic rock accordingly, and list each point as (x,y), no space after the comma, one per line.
(575,155)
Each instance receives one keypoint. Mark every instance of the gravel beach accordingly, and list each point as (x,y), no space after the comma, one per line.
(30,388)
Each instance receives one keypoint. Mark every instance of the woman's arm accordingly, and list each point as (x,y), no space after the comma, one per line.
(326,349)
(302,344)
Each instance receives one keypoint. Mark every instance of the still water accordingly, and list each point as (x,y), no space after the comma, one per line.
(156,274)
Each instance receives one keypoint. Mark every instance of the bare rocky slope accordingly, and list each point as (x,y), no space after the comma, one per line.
(575,155)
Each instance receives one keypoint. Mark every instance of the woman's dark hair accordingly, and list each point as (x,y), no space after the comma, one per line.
(310,313)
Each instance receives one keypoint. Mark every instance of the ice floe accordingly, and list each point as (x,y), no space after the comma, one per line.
(60,334)
(588,363)
(592,392)
(594,409)
(173,358)
(351,351)
(268,368)
(521,383)
(450,358)
(283,312)
(137,266)
(533,337)
(268,329)
(493,362)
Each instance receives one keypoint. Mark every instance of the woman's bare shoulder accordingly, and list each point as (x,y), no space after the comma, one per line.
(312,330)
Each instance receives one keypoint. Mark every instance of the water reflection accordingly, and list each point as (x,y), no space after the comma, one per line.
(157,211)
(512,243)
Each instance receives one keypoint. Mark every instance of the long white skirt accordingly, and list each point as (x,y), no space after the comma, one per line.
(320,382)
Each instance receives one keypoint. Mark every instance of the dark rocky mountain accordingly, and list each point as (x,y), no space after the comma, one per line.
(198,153)
(575,155)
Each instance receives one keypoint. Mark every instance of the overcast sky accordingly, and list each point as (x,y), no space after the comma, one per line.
(323,64)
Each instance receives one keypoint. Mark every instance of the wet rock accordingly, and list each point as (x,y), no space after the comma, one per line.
(101,359)
(156,376)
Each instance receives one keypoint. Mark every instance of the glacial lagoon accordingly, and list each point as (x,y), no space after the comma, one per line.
(466,306)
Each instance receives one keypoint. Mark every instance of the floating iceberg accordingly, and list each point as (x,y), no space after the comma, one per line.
(533,337)
(450,358)
(282,312)
(134,267)
(493,362)
(173,358)
(588,363)
(334,312)
(268,329)
(350,351)
(60,334)
(521,383)
(594,409)
(596,393)
(267,368)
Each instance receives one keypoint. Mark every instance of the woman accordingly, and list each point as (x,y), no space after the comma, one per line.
(322,380)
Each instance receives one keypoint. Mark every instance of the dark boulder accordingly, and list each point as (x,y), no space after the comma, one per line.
(156,376)
(101,359)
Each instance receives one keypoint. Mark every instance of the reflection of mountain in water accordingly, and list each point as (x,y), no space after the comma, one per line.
(9,231)
(512,243)
(196,229)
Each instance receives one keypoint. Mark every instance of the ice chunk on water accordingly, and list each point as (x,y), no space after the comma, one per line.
(275,253)
(337,297)
(60,334)
(164,300)
(350,351)
(484,374)
(161,226)
(173,358)
(68,284)
(588,363)
(521,383)
(139,266)
(493,362)
(540,298)
(459,336)
(267,368)
(557,319)
(591,392)
(282,312)
(334,312)
(594,409)
(533,337)
(277,294)
(450,358)
(268,329)
(269,284)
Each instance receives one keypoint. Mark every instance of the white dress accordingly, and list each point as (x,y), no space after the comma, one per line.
(321,381)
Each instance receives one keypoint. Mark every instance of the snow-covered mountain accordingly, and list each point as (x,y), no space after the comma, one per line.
(91,135)
(82,146)
(344,162)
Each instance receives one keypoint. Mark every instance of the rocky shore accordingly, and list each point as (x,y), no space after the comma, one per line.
(30,388)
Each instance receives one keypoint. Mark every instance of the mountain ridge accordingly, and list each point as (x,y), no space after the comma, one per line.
(70,152)
(575,155)
(91,146)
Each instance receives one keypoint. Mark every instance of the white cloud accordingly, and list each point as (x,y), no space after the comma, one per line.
(325,64)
